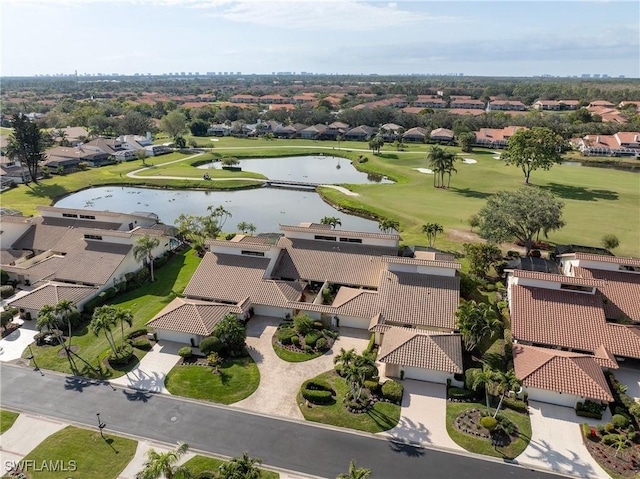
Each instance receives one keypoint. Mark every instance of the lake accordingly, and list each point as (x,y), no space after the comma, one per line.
(314,169)
(266,208)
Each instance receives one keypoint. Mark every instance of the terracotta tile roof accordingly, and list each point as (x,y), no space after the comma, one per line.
(378,325)
(421,262)
(224,278)
(52,294)
(568,319)
(622,290)
(467,111)
(322,229)
(412,348)
(606,259)
(419,299)
(604,358)
(561,372)
(557,278)
(191,316)
(361,303)
(343,263)
(237,244)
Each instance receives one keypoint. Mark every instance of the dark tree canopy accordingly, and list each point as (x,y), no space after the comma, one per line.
(27,144)
(538,148)
(520,214)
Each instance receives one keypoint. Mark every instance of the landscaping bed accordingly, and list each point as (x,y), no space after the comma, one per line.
(618,464)
(302,339)
(201,464)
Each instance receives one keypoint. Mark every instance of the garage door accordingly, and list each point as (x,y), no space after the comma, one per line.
(164,335)
(426,375)
(351,322)
(543,395)
(270,311)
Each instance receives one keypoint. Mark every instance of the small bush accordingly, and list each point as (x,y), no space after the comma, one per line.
(142,343)
(5,318)
(317,392)
(7,291)
(137,332)
(210,345)
(312,338)
(321,344)
(372,343)
(4,277)
(207,475)
(586,429)
(392,391)
(308,349)
(373,386)
(459,393)
(610,439)
(295,340)
(489,422)
(515,404)
(339,370)
(619,421)
(609,427)
(302,324)
(285,335)
(319,325)
(634,436)
(122,357)
(185,353)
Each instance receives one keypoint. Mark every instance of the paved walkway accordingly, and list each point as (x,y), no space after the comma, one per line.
(12,346)
(280,380)
(150,373)
(422,420)
(556,442)
(25,434)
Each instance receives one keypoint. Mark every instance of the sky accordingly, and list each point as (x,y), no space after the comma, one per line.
(487,38)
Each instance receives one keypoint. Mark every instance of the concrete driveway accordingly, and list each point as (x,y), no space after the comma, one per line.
(423,416)
(25,434)
(151,371)
(556,442)
(280,380)
(630,377)
(12,346)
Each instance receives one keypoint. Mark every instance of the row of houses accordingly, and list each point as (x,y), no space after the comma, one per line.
(623,143)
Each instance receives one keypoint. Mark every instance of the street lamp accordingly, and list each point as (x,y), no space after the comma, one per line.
(101,425)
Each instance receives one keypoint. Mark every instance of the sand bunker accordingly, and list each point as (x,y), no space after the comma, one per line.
(424,170)
(469,161)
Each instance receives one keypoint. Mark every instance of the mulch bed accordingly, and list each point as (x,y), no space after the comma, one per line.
(193,361)
(468,422)
(626,463)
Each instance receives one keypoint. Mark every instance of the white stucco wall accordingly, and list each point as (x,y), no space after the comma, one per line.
(177,337)
(551,397)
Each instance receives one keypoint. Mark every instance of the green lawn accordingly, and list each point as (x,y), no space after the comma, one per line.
(7,418)
(238,379)
(187,169)
(382,417)
(590,194)
(144,302)
(95,457)
(198,464)
(483,446)
(294,356)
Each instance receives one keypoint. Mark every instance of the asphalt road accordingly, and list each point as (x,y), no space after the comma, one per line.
(286,444)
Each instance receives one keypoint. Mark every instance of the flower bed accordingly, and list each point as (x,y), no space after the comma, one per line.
(469,422)
(624,463)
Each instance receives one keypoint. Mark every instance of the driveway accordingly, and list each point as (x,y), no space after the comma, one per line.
(25,434)
(556,442)
(12,346)
(280,380)
(423,417)
(630,377)
(151,371)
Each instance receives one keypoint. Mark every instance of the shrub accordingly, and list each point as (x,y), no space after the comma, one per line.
(316,391)
(513,254)
(610,439)
(634,436)
(142,343)
(489,422)
(232,334)
(373,386)
(339,370)
(295,340)
(609,427)
(285,335)
(308,349)
(137,332)
(319,325)
(600,429)
(122,356)
(39,338)
(4,277)
(302,324)
(586,429)
(207,475)
(469,376)
(459,393)
(619,421)
(210,345)
(312,338)
(5,318)
(321,344)
(515,404)
(372,343)
(6,291)
(392,391)
(185,353)
(372,372)
(490,287)
(467,285)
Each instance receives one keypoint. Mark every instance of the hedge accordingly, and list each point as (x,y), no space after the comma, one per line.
(316,391)
(211,344)
(7,291)
(285,335)
(515,405)
(185,353)
(311,338)
(142,343)
(589,414)
(137,332)
(459,393)
(372,343)
(373,386)
(392,391)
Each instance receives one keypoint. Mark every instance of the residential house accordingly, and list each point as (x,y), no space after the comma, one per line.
(429,101)
(608,114)
(112,147)
(74,135)
(506,105)
(409,303)
(495,137)
(389,131)
(219,129)
(314,132)
(556,105)
(244,99)
(68,158)
(415,135)
(360,133)
(625,103)
(467,104)
(623,143)
(442,135)
(601,103)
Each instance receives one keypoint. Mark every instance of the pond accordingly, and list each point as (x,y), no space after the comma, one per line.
(314,169)
(266,208)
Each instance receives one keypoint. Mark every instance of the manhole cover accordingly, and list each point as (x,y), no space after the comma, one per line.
(174,418)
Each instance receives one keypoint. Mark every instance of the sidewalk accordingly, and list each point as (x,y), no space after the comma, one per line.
(25,434)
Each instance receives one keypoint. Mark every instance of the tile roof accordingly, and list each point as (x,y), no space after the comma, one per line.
(622,290)
(41,237)
(225,277)
(79,223)
(92,263)
(343,263)
(52,294)
(412,348)
(191,316)
(568,319)
(561,372)
(322,229)
(257,246)
(421,262)
(419,299)
(8,256)
(606,259)
(557,278)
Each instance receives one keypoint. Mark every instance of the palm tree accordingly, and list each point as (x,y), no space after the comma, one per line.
(437,162)
(180,142)
(450,159)
(484,378)
(144,250)
(220,214)
(244,467)
(387,226)
(332,221)
(123,316)
(505,384)
(163,464)
(47,318)
(355,472)
(60,133)
(357,373)
(64,311)
(345,357)
(246,227)
(432,230)
(102,320)
(476,322)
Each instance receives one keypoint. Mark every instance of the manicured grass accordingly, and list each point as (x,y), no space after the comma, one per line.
(7,418)
(144,302)
(483,446)
(382,417)
(94,456)
(294,356)
(238,379)
(187,168)
(198,464)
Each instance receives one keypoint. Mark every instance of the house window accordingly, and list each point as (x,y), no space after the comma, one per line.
(252,253)
(69,215)
(577,287)
(88,217)
(351,240)
(325,238)
(93,237)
